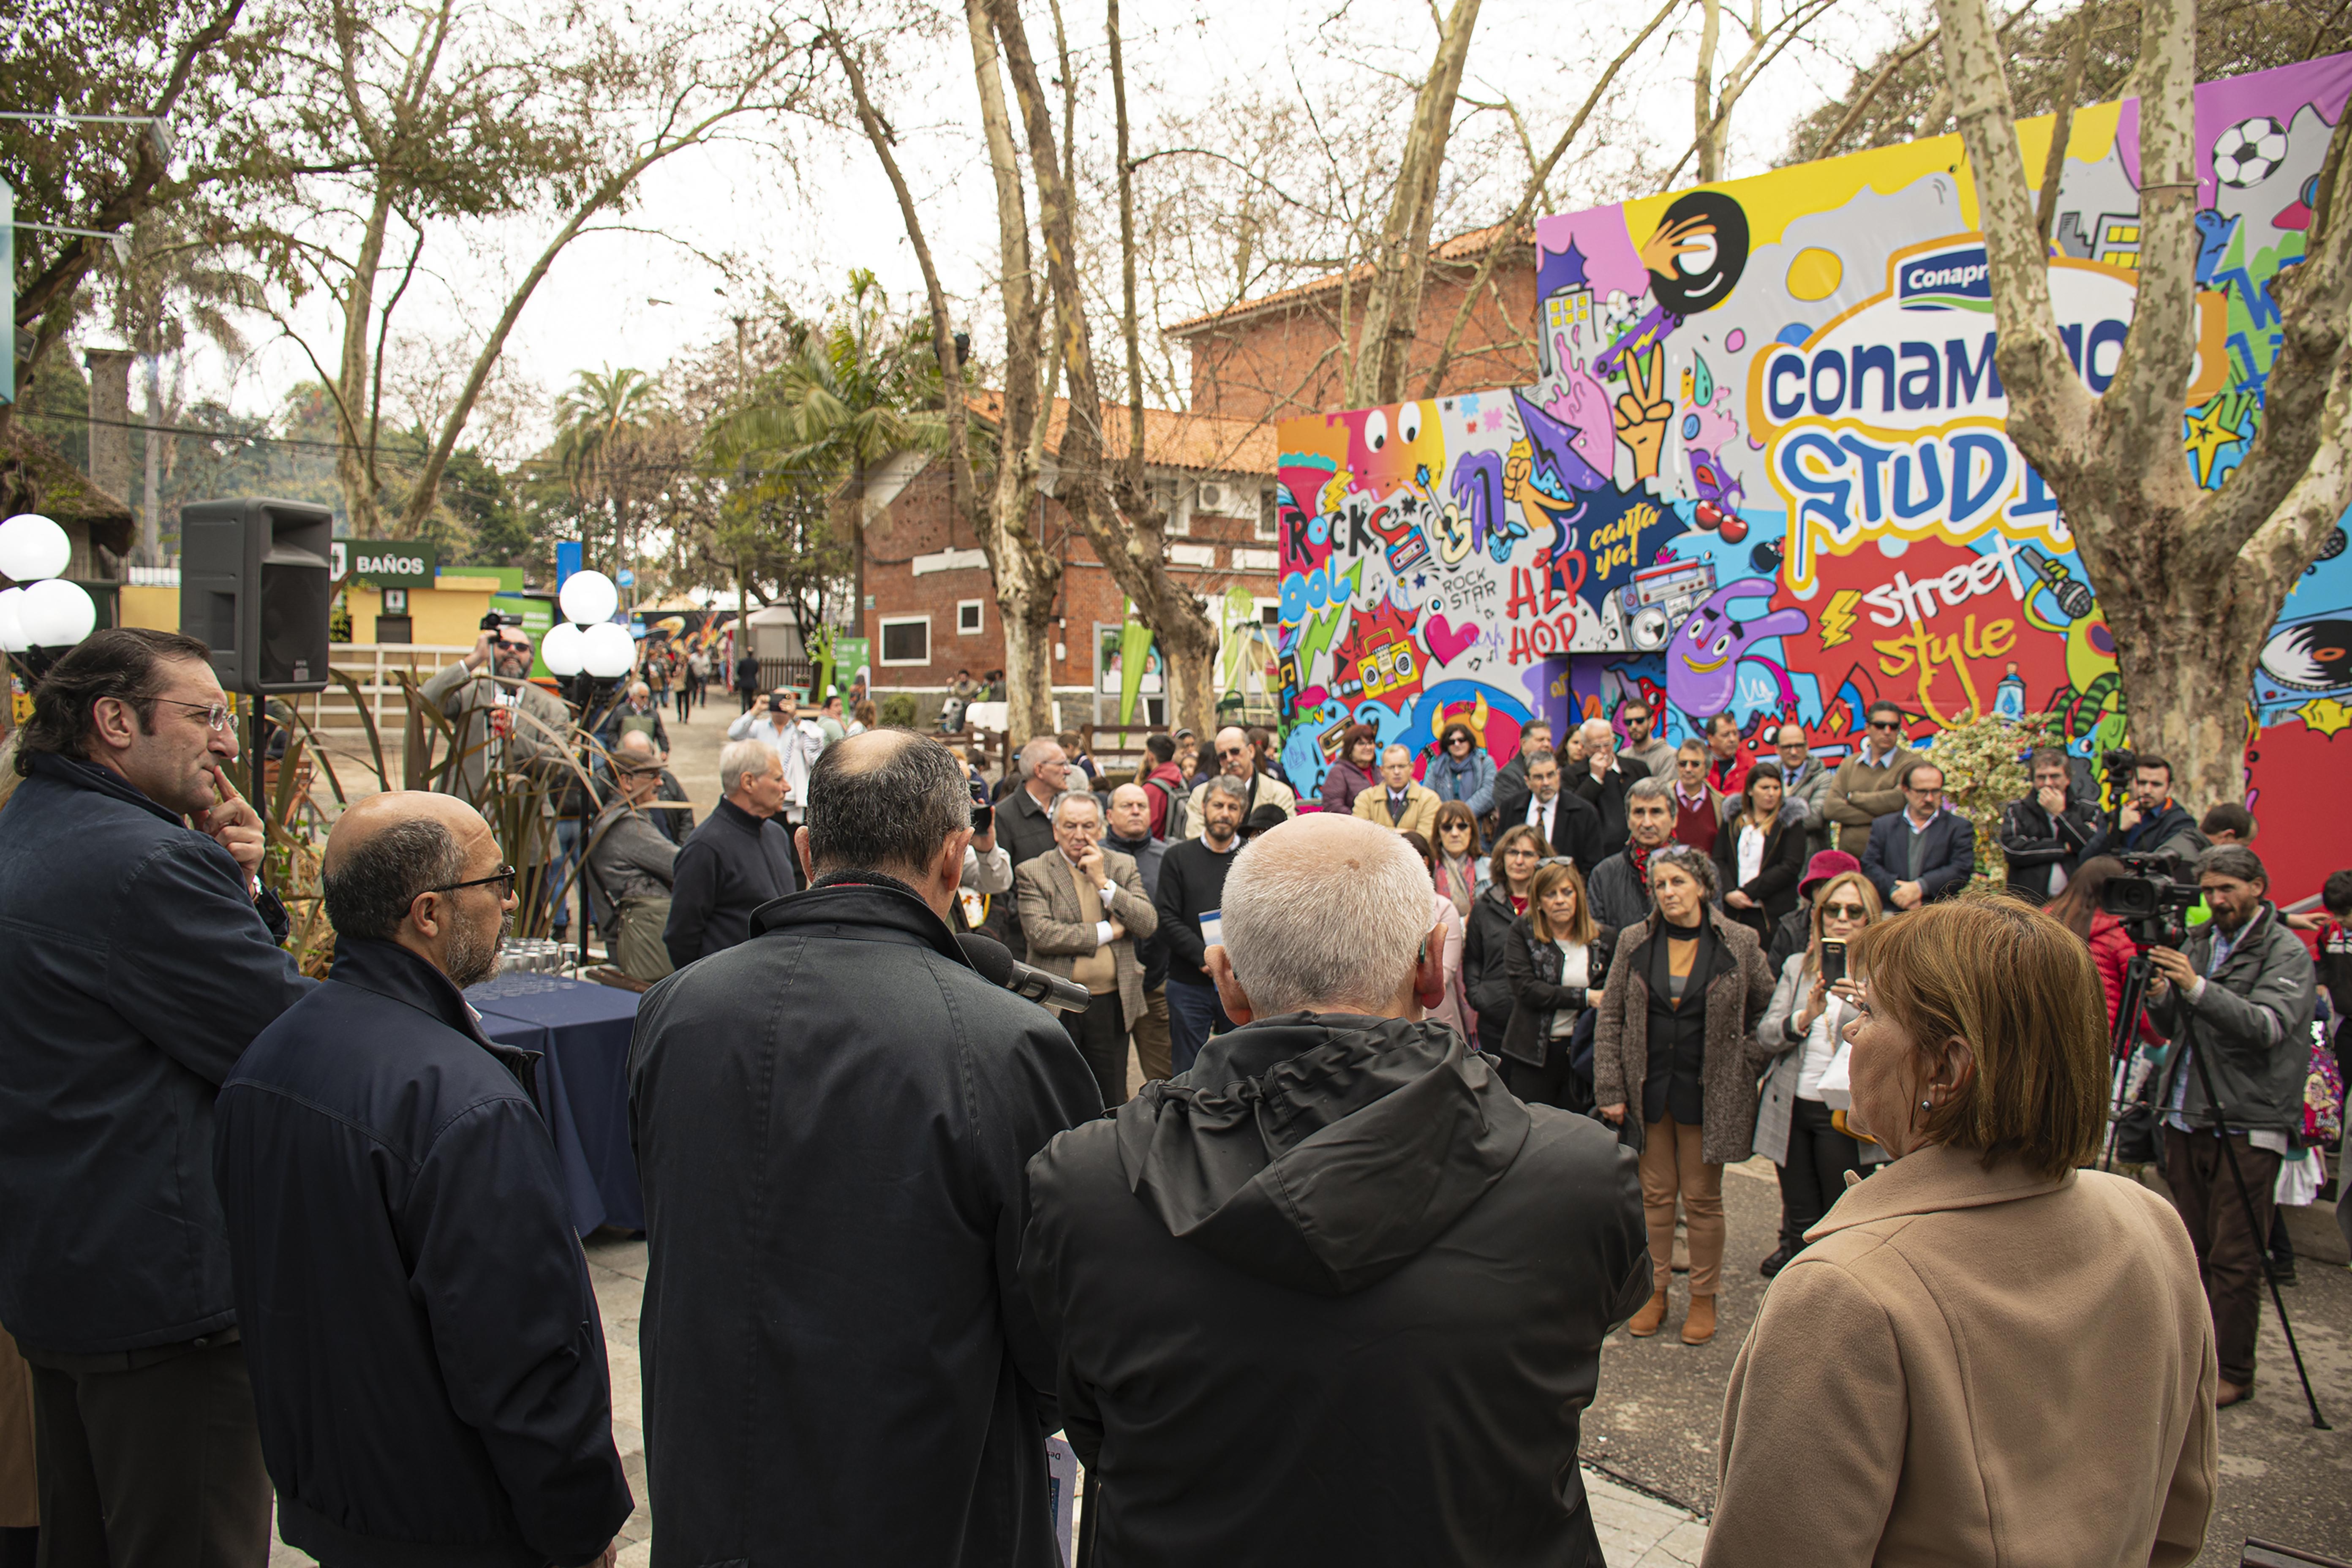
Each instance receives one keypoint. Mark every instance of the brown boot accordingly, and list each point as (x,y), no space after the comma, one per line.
(1699,1327)
(1648,1320)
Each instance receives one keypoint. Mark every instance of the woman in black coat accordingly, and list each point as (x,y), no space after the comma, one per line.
(1486,935)
(1768,890)
(1555,962)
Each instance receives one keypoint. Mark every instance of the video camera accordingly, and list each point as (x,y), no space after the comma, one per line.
(498,620)
(2150,898)
(2118,763)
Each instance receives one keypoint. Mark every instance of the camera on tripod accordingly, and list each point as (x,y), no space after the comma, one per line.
(2118,763)
(2150,898)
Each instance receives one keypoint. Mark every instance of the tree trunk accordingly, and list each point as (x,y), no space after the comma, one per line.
(2189,581)
(1705,132)
(356,455)
(151,509)
(1392,308)
(1126,531)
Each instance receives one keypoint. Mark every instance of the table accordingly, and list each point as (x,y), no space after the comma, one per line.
(581,1033)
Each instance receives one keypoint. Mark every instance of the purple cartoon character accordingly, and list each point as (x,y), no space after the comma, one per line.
(1703,659)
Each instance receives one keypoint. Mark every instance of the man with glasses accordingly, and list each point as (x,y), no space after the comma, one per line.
(1570,828)
(1600,781)
(1865,788)
(1804,778)
(776,723)
(1654,753)
(400,1239)
(631,865)
(1084,910)
(1510,795)
(504,725)
(139,963)
(1922,852)
(1237,759)
(1698,807)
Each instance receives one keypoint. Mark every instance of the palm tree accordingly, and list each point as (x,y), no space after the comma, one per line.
(599,425)
(845,399)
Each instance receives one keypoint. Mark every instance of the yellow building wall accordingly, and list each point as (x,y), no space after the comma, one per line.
(448,613)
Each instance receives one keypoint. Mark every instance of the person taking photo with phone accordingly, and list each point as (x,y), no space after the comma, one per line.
(1795,1127)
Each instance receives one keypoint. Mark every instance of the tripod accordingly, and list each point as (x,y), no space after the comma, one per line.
(2129,1013)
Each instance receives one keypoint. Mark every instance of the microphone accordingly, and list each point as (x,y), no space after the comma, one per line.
(996,963)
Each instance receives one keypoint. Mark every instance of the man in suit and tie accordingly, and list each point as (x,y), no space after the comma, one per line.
(1922,852)
(1569,825)
(1601,779)
(1399,804)
(1083,910)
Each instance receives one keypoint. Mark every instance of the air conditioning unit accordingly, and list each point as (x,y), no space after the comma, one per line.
(1215,499)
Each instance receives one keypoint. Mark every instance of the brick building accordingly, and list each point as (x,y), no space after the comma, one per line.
(1276,357)
(934,608)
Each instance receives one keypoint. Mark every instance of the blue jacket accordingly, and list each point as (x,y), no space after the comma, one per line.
(427,1359)
(1474,785)
(137,969)
(1947,860)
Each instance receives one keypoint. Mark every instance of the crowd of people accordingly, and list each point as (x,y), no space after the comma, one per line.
(1436,1065)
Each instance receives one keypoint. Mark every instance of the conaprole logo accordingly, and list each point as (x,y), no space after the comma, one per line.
(1949,280)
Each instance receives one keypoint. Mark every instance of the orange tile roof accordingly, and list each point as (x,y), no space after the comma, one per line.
(1466,247)
(1171,439)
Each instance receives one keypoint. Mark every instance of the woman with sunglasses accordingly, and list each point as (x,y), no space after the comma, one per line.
(1795,1128)
(1759,856)
(1357,769)
(1493,914)
(1462,770)
(1460,872)
(1554,965)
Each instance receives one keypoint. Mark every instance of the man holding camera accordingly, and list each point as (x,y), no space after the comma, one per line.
(776,722)
(833,1120)
(501,721)
(2237,999)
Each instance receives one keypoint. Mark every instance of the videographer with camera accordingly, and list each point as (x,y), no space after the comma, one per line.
(2148,820)
(2237,998)
(501,720)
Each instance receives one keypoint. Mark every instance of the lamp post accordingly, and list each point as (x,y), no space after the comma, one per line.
(586,650)
(45,615)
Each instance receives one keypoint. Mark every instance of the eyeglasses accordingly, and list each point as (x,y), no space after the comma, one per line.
(1886,723)
(216,715)
(505,874)
(1845,911)
(1459,740)
(1233,751)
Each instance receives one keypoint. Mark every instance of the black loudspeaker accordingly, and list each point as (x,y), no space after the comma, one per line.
(254,584)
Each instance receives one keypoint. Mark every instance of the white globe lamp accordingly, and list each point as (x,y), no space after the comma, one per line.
(32,547)
(588,599)
(56,614)
(12,625)
(606,650)
(561,650)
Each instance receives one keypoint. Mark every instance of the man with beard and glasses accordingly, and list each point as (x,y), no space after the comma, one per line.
(428,1361)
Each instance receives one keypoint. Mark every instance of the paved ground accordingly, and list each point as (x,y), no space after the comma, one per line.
(1650,1439)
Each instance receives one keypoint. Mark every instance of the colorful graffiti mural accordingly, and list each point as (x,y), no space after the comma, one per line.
(1765,470)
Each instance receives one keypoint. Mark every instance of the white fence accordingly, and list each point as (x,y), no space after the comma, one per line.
(374,666)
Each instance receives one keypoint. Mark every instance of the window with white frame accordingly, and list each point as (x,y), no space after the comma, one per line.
(906,639)
(968,617)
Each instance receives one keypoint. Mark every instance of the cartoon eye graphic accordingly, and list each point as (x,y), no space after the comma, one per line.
(1376,430)
(1409,423)
(1722,644)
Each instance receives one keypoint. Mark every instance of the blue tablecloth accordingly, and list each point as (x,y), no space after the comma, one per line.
(582,1032)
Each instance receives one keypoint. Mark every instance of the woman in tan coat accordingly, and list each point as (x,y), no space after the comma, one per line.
(1986,1355)
(1670,1049)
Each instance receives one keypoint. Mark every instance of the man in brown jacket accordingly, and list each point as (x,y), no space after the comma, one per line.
(1866,785)
(1083,908)
(1400,804)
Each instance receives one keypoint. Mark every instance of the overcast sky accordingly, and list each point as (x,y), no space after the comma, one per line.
(636,298)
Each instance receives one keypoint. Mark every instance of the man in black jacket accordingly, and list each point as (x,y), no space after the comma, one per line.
(1191,880)
(736,860)
(2042,835)
(832,1122)
(138,965)
(1601,782)
(1569,826)
(426,1353)
(1128,826)
(1511,783)
(1338,1297)
(2150,822)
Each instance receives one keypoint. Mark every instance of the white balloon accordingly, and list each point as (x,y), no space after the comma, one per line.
(32,547)
(11,626)
(56,614)
(561,651)
(589,597)
(608,650)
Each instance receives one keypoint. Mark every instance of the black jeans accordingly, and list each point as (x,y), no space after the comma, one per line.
(1813,1175)
(1554,1083)
(1101,1035)
(158,1460)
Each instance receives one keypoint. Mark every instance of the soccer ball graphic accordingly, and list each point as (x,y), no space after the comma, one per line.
(2245,153)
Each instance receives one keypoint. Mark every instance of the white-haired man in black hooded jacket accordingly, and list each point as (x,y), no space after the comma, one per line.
(1284,1331)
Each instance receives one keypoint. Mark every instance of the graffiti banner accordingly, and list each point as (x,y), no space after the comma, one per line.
(1765,470)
